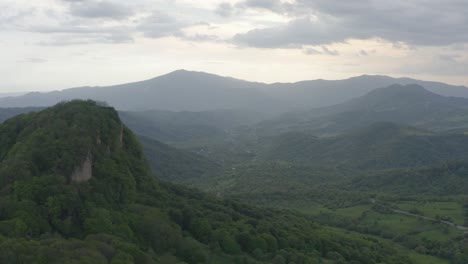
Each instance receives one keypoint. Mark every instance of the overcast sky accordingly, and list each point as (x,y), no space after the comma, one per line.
(55,44)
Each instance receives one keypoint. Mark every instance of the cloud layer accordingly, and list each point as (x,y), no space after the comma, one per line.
(318,22)
(89,42)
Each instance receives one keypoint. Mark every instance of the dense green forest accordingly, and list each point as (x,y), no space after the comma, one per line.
(75,188)
(384,181)
(375,157)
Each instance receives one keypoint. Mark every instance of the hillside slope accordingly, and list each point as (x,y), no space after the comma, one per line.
(379,146)
(75,188)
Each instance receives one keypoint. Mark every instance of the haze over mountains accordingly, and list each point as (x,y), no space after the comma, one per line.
(409,104)
(197,91)
(369,150)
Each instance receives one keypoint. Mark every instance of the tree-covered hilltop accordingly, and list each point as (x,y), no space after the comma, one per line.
(76,188)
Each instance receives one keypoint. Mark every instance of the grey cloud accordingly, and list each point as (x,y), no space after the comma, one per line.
(225,9)
(311,51)
(99,9)
(160,25)
(72,34)
(83,24)
(85,40)
(324,51)
(11,19)
(417,22)
(302,31)
(85,31)
(266,4)
(330,52)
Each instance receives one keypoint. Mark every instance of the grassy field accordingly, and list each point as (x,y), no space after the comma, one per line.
(425,259)
(353,212)
(452,210)
(390,225)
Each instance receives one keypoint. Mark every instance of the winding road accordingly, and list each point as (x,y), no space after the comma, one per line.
(459,227)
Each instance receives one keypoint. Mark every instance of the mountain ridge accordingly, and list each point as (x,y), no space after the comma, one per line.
(410,104)
(208,91)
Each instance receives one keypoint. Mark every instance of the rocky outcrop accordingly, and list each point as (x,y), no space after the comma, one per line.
(84,172)
(121,135)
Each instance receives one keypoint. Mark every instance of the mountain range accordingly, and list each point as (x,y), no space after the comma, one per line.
(197,91)
(75,175)
(405,104)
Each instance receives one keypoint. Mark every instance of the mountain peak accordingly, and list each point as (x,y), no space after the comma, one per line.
(181,73)
(395,97)
(75,142)
(402,92)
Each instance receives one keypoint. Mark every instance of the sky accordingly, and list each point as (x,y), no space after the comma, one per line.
(57,44)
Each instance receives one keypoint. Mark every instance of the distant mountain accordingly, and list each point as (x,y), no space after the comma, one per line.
(6,113)
(197,91)
(12,94)
(176,91)
(410,104)
(320,93)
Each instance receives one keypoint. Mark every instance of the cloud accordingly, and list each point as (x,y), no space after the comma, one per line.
(225,9)
(302,31)
(276,6)
(265,4)
(330,52)
(11,17)
(159,25)
(75,32)
(312,51)
(99,9)
(321,22)
(323,51)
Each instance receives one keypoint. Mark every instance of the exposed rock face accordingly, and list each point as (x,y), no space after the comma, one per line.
(84,172)
(121,135)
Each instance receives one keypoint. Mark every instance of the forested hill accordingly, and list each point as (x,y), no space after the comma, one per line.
(380,145)
(76,188)
(410,104)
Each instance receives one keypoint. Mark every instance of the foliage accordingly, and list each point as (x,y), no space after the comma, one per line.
(122,214)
